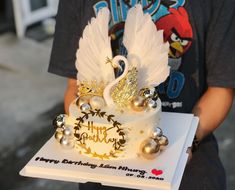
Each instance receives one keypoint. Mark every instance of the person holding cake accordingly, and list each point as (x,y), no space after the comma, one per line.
(200,37)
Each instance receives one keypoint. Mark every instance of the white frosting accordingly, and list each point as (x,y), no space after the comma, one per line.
(137,126)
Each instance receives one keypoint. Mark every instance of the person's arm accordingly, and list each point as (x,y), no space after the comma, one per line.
(212,108)
(70,93)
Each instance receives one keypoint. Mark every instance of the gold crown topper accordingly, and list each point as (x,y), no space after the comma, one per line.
(91,88)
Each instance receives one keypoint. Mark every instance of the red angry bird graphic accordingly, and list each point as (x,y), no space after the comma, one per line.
(177,31)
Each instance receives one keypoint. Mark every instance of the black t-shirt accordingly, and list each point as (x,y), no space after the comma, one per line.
(201,34)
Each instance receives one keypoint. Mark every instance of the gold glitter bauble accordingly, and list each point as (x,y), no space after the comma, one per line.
(138,104)
(149,149)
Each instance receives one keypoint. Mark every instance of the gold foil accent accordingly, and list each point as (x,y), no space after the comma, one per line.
(91,88)
(124,92)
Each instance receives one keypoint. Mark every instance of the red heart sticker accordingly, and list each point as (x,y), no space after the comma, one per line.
(157,172)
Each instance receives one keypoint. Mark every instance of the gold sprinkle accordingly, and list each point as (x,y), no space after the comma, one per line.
(141,132)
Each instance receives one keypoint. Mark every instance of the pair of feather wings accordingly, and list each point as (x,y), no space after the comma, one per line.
(144,43)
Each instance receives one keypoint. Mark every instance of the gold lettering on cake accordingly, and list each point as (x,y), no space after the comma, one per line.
(97,134)
(99,140)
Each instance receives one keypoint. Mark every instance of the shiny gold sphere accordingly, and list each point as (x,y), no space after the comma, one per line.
(163,141)
(82,100)
(149,149)
(58,135)
(97,102)
(138,104)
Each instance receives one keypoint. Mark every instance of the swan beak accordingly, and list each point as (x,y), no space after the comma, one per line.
(114,64)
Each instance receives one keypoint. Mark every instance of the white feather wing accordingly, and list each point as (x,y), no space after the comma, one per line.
(146,48)
(94,49)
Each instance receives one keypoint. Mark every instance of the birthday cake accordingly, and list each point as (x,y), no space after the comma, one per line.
(117,117)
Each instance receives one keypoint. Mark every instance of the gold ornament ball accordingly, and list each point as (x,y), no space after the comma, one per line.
(83,100)
(149,149)
(58,135)
(163,141)
(138,104)
(97,102)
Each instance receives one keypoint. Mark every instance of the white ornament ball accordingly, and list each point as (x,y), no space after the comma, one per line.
(97,102)
(68,131)
(85,107)
(152,104)
(66,142)
(157,133)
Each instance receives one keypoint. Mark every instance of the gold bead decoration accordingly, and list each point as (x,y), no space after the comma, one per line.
(163,141)
(138,104)
(149,149)
(83,100)
(58,135)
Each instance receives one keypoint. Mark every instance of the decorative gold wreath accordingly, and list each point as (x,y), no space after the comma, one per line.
(110,119)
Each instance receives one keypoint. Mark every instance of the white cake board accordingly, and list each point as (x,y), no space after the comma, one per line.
(163,173)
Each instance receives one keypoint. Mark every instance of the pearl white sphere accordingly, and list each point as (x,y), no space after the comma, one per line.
(66,142)
(157,133)
(85,107)
(97,102)
(152,104)
(68,131)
